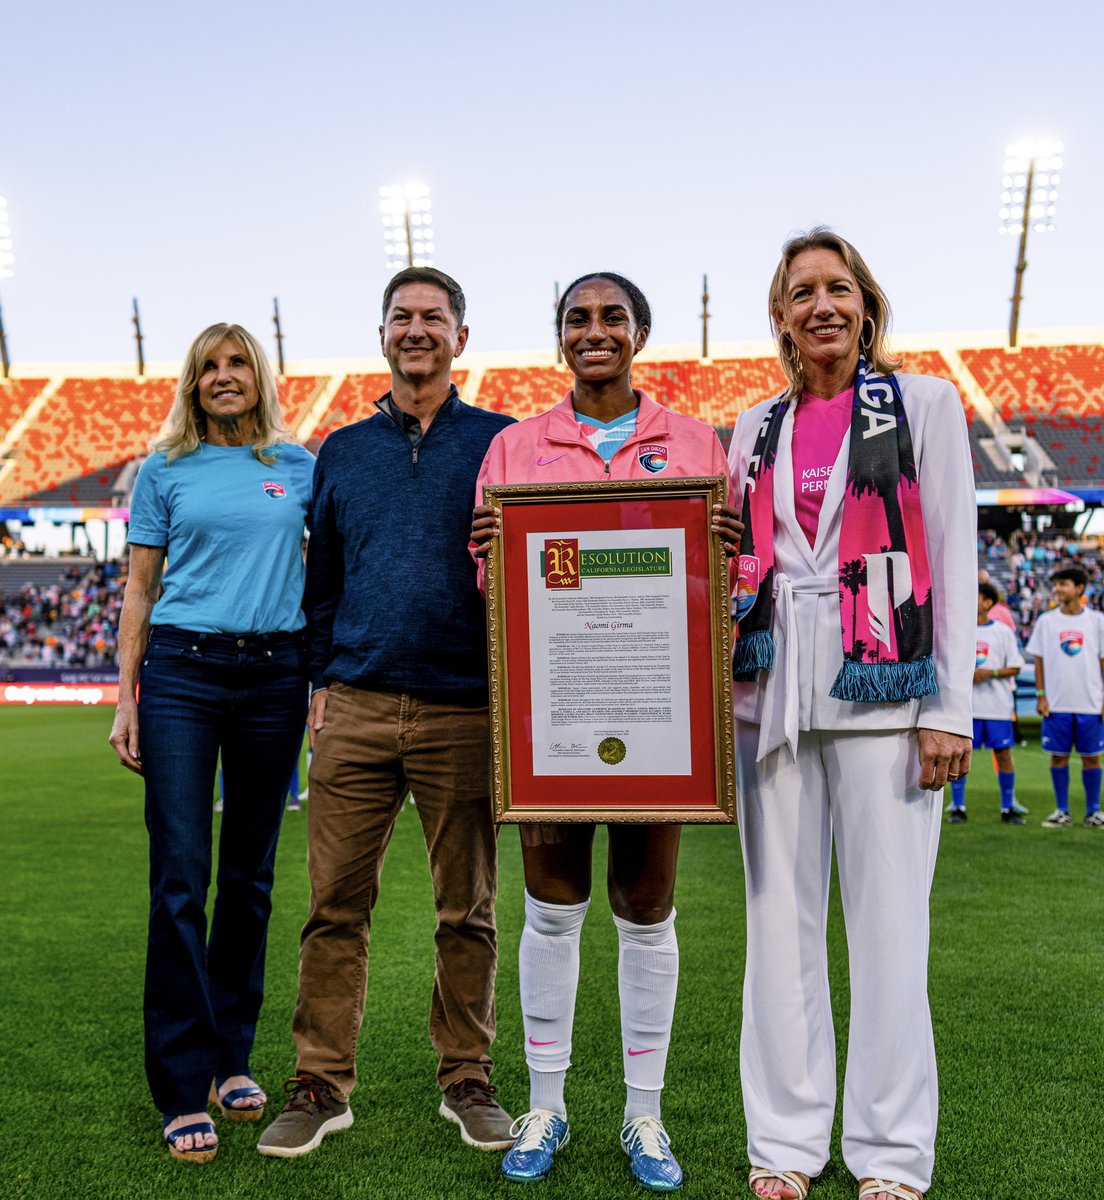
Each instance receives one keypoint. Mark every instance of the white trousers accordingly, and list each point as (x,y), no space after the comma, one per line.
(862,790)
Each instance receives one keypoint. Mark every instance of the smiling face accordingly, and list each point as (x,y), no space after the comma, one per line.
(1068,594)
(419,335)
(227,387)
(822,312)
(599,336)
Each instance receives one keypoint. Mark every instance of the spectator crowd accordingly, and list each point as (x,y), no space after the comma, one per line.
(1021,567)
(71,623)
(74,622)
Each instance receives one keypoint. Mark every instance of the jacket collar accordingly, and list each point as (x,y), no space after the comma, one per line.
(651,422)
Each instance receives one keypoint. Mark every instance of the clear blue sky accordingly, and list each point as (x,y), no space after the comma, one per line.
(208,156)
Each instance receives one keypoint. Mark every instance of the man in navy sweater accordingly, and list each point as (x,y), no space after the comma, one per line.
(399,702)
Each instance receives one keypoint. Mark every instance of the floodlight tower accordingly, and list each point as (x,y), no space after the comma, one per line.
(406,211)
(1029,165)
(7,261)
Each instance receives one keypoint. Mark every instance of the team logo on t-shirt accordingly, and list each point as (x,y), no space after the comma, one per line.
(652,458)
(275,490)
(982,654)
(1072,641)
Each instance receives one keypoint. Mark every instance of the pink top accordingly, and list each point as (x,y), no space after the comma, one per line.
(553,447)
(819,429)
(1001,612)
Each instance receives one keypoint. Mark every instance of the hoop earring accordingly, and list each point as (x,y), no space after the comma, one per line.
(864,341)
(789,352)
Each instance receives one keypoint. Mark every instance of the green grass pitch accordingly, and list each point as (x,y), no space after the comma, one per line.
(1017,965)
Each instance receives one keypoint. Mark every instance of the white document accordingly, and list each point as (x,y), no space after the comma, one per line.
(609,662)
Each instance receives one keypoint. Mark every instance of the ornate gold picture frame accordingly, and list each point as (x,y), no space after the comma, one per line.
(609,642)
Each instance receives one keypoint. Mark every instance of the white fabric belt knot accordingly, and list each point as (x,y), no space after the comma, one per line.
(781,695)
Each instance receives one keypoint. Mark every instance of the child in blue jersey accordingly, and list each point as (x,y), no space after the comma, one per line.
(996,664)
(1068,645)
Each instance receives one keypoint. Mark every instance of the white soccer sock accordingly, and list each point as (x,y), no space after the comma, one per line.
(548,971)
(647,980)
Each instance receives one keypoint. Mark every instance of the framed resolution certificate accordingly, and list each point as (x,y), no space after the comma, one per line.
(609,646)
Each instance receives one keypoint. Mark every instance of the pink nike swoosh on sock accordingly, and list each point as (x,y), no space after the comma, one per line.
(534,1042)
(633,1053)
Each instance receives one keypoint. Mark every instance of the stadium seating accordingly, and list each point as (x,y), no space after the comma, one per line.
(18,573)
(88,425)
(356,399)
(1074,444)
(97,488)
(298,394)
(73,451)
(15,396)
(716,391)
(1041,381)
(523,391)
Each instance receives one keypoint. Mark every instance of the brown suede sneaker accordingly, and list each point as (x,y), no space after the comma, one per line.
(307,1117)
(470,1103)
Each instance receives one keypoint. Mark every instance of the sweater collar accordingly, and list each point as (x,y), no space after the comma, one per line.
(386,404)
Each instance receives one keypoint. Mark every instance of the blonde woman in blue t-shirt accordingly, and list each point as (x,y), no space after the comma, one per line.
(212,659)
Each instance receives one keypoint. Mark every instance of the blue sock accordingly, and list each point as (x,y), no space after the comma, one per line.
(958,793)
(293,786)
(1060,778)
(1007,783)
(1090,777)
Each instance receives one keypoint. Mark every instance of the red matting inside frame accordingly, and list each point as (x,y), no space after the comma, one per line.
(697,789)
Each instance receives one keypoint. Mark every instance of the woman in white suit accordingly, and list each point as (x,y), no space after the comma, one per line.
(856,606)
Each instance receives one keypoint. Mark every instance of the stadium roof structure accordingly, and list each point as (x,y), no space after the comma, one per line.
(71,433)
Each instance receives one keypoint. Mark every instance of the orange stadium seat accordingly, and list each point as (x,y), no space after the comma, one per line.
(75,448)
(932,362)
(15,396)
(88,425)
(298,394)
(714,392)
(356,399)
(522,391)
(1041,381)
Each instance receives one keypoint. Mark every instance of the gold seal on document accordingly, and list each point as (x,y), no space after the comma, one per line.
(611,750)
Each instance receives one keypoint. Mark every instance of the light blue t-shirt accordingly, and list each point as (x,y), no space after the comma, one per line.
(607,437)
(232,529)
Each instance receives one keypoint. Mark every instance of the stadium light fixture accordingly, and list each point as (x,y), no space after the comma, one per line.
(1029,201)
(407,214)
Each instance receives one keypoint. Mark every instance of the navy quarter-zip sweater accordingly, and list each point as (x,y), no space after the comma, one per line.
(391,598)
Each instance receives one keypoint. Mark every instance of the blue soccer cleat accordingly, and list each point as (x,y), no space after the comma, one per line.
(540,1134)
(649,1150)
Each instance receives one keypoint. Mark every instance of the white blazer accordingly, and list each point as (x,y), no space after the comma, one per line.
(806,620)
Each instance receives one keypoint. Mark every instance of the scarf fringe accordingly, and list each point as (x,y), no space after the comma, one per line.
(751,653)
(884,682)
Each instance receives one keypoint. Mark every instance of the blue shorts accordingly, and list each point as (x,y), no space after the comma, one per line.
(997,735)
(1063,731)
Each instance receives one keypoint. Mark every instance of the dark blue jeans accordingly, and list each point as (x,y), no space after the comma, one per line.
(199,695)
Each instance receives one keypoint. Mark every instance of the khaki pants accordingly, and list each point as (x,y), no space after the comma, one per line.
(373,747)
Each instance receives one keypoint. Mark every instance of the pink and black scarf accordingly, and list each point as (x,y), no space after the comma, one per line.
(884,577)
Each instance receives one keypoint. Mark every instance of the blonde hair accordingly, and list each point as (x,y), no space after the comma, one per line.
(875,349)
(187,420)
